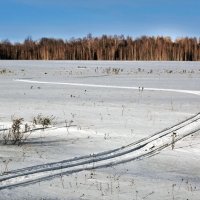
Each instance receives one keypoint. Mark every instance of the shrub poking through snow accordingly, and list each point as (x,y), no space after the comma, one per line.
(19,131)
(45,121)
(15,134)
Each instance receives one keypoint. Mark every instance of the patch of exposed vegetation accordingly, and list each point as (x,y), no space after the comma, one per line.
(15,135)
(4,71)
(45,121)
(19,132)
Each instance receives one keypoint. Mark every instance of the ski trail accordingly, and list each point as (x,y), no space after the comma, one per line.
(143,148)
(194,92)
(105,154)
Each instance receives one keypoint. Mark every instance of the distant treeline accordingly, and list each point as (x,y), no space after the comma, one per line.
(103,48)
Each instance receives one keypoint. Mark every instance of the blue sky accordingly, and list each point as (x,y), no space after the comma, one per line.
(76,18)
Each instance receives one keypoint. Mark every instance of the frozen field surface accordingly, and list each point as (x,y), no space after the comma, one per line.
(112,136)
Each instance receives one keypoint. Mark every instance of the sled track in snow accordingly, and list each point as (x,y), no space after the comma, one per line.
(145,147)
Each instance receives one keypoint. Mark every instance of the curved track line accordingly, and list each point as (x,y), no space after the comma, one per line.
(137,150)
(195,92)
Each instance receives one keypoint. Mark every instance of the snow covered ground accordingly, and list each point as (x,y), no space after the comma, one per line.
(111,104)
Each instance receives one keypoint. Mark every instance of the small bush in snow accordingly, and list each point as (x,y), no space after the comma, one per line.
(15,134)
(45,121)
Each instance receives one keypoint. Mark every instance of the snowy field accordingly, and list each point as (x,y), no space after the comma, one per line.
(112,134)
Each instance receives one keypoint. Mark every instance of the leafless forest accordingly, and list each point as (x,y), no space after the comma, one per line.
(103,48)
